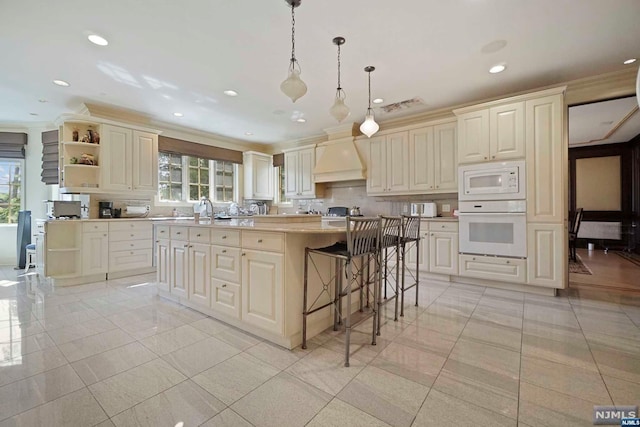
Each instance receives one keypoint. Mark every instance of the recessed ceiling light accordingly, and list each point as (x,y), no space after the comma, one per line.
(498,68)
(61,83)
(248,133)
(629,61)
(378,101)
(230,93)
(178,114)
(42,100)
(301,120)
(96,39)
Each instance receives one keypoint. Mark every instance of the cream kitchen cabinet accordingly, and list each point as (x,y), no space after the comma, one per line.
(547,254)
(262,290)
(63,250)
(130,246)
(75,176)
(421,256)
(298,166)
(388,171)
(179,268)
(129,160)
(433,165)
(491,134)
(95,248)
(163,252)
(226,272)
(198,275)
(258,175)
(511,270)
(189,264)
(443,247)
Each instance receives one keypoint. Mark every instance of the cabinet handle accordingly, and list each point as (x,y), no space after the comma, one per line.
(132,235)
(224,251)
(104,235)
(186,246)
(198,235)
(224,286)
(224,237)
(473,259)
(161,231)
(259,240)
(485,158)
(131,252)
(178,232)
(493,157)
(508,262)
(244,254)
(131,245)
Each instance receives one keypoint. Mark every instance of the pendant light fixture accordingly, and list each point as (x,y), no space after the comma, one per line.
(293,86)
(339,110)
(369,126)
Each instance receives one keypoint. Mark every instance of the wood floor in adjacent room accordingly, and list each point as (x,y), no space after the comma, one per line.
(611,272)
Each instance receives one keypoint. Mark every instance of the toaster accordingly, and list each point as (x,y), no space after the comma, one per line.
(425,209)
(64,209)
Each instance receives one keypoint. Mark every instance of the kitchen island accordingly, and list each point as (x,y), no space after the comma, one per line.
(247,272)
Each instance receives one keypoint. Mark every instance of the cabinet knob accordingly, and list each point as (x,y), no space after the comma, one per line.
(473,259)
(104,235)
(508,262)
(131,252)
(224,237)
(259,240)
(178,232)
(224,285)
(224,251)
(244,254)
(493,157)
(131,245)
(485,158)
(132,235)
(198,235)
(186,246)
(161,231)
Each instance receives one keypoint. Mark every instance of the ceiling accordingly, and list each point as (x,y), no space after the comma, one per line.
(166,56)
(604,122)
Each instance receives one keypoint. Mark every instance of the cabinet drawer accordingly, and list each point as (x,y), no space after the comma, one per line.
(163,231)
(89,227)
(226,263)
(494,268)
(225,297)
(131,245)
(130,260)
(263,240)
(199,234)
(120,236)
(225,237)
(130,225)
(179,233)
(442,226)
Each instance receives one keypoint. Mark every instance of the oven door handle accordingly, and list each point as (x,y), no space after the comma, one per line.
(490,213)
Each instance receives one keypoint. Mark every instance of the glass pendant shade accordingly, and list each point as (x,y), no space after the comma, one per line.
(339,110)
(369,126)
(293,86)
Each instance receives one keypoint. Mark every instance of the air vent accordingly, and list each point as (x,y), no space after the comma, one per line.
(403,105)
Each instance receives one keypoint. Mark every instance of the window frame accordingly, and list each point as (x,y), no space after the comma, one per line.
(21,162)
(185,202)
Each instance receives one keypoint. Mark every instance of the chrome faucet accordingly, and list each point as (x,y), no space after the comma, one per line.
(207,203)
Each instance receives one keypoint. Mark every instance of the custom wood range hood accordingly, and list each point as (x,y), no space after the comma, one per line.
(338,159)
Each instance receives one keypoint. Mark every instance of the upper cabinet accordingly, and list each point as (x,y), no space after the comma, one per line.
(258,175)
(298,177)
(130,160)
(98,158)
(417,161)
(491,134)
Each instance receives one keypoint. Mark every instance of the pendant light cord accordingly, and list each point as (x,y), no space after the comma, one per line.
(339,88)
(293,34)
(369,74)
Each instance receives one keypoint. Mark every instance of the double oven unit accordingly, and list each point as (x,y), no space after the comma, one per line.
(493,209)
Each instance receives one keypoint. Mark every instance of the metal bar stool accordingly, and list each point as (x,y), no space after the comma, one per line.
(391,235)
(410,236)
(363,240)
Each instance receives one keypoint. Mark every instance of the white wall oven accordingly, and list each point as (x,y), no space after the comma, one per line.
(497,228)
(492,181)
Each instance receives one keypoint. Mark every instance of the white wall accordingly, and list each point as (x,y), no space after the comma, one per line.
(34,190)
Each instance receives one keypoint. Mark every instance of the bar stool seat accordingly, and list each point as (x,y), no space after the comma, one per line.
(362,243)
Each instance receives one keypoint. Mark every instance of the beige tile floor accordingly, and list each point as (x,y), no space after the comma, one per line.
(113,353)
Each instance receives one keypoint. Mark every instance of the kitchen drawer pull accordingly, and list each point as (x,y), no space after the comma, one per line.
(224,237)
(224,286)
(186,246)
(224,251)
(244,254)
(508,262)
(259,240)
(178,232)
(198,235)
(131,245)
(161,231)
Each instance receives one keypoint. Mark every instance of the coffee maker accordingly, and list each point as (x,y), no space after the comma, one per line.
(105,209)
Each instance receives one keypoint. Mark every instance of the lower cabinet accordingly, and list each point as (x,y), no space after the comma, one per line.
(163,251)
(546,260)
(420,256)
(225,298)
(130,245)
(198,275)
(262,293)
(443,252)
(179,268)
(493,268)
(95,248)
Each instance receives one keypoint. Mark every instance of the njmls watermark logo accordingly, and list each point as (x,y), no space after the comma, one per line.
(615,415)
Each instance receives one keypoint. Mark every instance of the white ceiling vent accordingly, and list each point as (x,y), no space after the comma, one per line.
(403,105)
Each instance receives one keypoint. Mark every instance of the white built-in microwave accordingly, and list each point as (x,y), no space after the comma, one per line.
(492,181)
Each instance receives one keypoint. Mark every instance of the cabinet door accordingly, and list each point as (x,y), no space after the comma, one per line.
(262,287)
(445,157)
(291,174)
(506,131)
(225,298)
(443,253)
(397,162)
(547,255)
(179,269)
(422,257)
(116,158)
(262,177)
(377,167)
(421,163)
(163,251)
(145,161)
(306,163)
(473,137)
(95,253)
(547,154)
(199,274)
